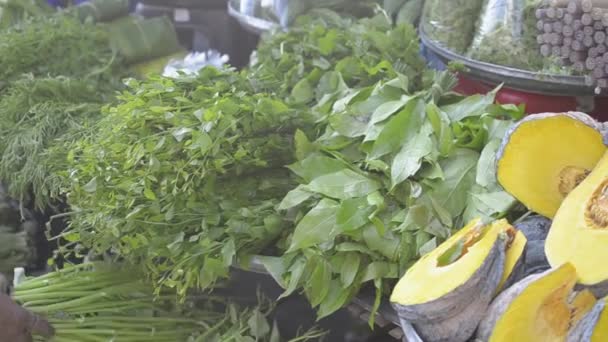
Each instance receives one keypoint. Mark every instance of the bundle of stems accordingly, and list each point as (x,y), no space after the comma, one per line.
(99,302)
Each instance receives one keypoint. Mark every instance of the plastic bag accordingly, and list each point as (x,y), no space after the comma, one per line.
(404,11)
(505,34)
(193,62)
(102,10)
(451,23)
(138,40)
(288,10)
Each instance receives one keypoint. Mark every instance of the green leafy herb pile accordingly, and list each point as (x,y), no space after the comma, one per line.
(182,177)
(101,302)
(363,51)
(393,174)
(57,73)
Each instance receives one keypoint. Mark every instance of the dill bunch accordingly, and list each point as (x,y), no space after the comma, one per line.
(38,115)
(56,45)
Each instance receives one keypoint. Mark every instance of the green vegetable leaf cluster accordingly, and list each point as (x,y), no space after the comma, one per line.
(323,52)
(182,176)
(393,174)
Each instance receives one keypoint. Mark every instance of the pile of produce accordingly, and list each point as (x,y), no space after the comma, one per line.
(184,175)
(103,302)
(557,293)
(574,31)
(46,99)
(324,52)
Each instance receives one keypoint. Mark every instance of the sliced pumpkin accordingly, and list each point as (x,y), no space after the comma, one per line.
(544,156)
(593,326)
(534,309)
(579,232)
(515,266)
(445,294)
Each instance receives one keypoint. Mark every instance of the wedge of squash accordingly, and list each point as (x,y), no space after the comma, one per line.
(544,156)
(535,309)
(579,232)
(446,293)
(593,326)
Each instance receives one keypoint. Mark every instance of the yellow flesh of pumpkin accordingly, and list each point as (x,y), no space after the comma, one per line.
(538,152)
(513,255)
(426,281)
(541,312)
(574,238)
(600,332)
(581,305)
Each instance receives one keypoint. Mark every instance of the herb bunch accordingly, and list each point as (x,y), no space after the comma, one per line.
(393,174)
(182,177)
(295,64)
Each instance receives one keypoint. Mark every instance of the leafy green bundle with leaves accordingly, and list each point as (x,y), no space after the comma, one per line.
(182,176)
(393,175)
(102,302)
(362,51)
(54,46)
(38,115)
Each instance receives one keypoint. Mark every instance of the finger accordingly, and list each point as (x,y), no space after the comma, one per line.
(40,326)
(24,338)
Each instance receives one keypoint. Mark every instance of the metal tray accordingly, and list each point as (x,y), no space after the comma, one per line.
(512,78)
(250,23)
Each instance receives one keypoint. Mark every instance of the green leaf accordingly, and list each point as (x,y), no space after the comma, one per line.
(316,165)
(387,109)
(350,269)
(459,172)
(302,92)
(295,275)
(276,267)
(471,106)
(343,185)
(304,147)
(486,168)
(258,325)
(348,125)
(294,198)
(379,270)
(317,285)
(316,227)
(441,126)
(353,214)
(388,246)
(337,297)
(409,160)
(407,122)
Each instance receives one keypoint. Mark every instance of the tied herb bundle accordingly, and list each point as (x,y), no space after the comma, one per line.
(53,46)
(102,302)
(57,72)
(295,64)
(393,174)
(182,177)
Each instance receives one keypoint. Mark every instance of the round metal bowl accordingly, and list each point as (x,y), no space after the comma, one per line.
(250,23)
(513,78)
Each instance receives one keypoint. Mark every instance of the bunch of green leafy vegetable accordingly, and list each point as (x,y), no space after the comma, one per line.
(102,302)
(37,115)
(294,64)
(53,46)
(393,174)
(182,176)
(451,23)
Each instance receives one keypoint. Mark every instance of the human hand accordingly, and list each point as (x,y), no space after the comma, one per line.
(18,324)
